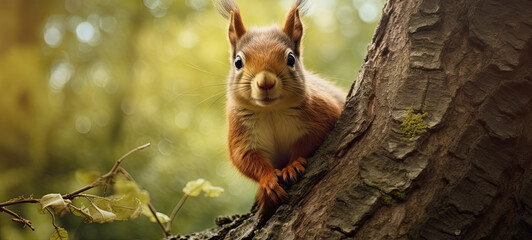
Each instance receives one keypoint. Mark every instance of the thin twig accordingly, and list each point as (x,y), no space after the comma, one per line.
(154,212)
(117,163)
(77,192)
(174,212)
(93,196)
(53,221)
(125,173)
(18,218)
(150,206)
(53,217)
(29,200)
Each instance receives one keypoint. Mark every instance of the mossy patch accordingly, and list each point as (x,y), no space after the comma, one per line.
(386,199)
(397,195)
(413,124)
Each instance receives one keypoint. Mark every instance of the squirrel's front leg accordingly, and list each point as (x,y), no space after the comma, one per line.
(253,165)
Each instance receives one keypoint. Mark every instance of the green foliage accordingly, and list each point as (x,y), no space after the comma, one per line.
(194,188)
(80,213)
(413,124)
(163,218)
(59,234)
(128,202)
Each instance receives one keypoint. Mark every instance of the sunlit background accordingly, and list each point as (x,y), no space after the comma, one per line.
(84,81)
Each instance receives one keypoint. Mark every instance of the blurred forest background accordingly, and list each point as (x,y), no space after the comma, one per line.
(84,81)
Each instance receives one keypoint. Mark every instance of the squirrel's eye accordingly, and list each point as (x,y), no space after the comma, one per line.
(291,60)
(238,63)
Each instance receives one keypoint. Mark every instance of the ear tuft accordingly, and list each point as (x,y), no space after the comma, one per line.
(229,10)
(224,7)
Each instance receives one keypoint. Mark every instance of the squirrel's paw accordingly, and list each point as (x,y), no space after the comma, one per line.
(294,170)
(270,192)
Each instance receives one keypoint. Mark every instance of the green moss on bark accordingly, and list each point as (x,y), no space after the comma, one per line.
(413,124)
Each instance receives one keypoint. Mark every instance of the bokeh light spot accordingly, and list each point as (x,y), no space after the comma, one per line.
(157,8)
(182,120)
(83,124)
(345,14)
(108,24)
(151,4)
(326,21)
(165,147)
(100,75)
(368,12)
(85,31)
(197,4)
(60,75)
(53,36)
(188,39)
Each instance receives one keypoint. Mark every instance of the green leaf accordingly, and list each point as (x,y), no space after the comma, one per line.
(163,218)
(80,213)
(59,234)
(212,191)
(56,202)
(125,187)
(126,207)
(194,188)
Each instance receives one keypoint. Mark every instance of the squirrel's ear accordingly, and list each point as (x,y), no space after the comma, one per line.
(236,28)
(294,29)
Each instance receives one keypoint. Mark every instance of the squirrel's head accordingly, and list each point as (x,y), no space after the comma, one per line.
(266,71)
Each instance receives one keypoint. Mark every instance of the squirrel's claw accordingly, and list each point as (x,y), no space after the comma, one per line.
(293,171)
(270,192)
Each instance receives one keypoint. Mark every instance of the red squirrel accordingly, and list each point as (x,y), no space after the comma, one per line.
(278,113)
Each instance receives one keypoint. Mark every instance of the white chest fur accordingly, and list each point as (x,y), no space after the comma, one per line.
(273,133)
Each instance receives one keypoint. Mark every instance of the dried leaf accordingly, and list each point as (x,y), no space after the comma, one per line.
(56,202)
(99,215)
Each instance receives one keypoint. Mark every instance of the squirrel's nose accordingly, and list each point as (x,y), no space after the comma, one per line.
(265,81)
(265,85)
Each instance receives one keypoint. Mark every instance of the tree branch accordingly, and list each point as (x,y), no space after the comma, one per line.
(104,179)
(18,218)
(174,212)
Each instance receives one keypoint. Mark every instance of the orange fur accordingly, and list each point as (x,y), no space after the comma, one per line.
(278,114)
(252,164)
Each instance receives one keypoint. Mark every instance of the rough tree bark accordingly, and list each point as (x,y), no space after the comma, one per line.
(468,64)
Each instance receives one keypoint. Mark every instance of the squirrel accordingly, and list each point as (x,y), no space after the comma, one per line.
(278,113)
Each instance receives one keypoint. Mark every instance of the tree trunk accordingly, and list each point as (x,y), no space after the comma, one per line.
(468,65)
